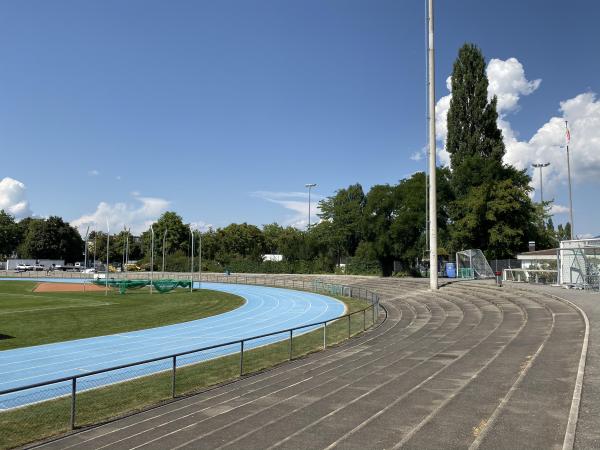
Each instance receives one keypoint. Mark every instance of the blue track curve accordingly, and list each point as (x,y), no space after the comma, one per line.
(265,310)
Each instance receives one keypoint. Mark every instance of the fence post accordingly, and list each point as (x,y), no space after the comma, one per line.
(364,319)
(73,398)
(373,306)
(173,376)
(241,358)
(324,335)
(291,348)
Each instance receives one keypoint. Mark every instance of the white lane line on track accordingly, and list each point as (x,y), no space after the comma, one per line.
(181,347)
(147,355)
(323,360)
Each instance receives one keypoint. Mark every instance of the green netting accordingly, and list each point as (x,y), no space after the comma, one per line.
(162,286)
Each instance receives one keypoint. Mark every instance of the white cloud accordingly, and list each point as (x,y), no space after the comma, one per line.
(297,203)
(508,82)
(138,216)
(202,226)
(419,154)
(559,209)
(93,173)
(13,198)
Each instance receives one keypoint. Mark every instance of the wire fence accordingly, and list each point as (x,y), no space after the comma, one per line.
(44,409)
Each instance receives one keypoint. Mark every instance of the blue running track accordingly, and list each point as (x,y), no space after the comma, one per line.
(266,310)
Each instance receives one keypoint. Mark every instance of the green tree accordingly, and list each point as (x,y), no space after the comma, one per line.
(9,234)
(52,239)
(344,211)
(492,210)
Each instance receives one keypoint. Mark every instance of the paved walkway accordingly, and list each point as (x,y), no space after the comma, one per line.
(588,425)
(473,366)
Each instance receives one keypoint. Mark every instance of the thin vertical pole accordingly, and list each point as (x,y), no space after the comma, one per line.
(107,254)
(433,279)
(73,401)
(348,326)
(173,376)
(324,335)
(241,358)
(192,262)
(152,260)
(570,193)
(291,346)
(200,259)
(364,319)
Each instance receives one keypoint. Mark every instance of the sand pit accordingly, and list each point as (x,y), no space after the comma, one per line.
(66,287)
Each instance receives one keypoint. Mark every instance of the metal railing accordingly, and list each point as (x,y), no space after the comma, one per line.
(274,348)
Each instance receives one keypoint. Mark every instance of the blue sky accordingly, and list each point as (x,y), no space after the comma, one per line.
(223,110)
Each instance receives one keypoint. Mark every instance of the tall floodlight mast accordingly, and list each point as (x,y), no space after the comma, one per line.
(541,167)
(433,276)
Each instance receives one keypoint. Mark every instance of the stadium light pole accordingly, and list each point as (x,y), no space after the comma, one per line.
(163,251)
(192,261)
(433,276)
(152,259)
(541,167)
(85,247)
(309,186)
(107,253)
(567,142)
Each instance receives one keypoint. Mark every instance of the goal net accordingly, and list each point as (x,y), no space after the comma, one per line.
(471,264)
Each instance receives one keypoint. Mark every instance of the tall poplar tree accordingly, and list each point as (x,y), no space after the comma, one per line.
(492,210)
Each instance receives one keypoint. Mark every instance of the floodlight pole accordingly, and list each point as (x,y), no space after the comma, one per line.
(192,261)
(433,276)
(107,253)
(541,167)
(151,259)
(309,186)
(200,259)
(163,251)
(85,247)
(95,239)
(569,173)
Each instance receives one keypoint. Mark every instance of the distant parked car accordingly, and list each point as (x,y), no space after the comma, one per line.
(24,267)
(89,270)
(38,267)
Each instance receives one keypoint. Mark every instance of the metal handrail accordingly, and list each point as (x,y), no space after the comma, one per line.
(74,378)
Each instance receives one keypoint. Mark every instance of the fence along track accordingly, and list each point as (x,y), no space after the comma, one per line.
(316,286)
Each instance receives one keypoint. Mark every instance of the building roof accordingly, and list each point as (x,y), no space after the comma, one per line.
(549,253)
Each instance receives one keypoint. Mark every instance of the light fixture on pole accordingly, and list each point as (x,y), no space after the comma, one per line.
(309,186)
(433,276)
(541,167)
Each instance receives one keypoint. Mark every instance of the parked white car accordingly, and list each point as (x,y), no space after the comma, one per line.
(24,267)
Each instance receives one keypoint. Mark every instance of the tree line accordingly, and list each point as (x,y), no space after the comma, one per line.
(482,203)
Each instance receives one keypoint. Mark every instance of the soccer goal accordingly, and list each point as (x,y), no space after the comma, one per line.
(472,264)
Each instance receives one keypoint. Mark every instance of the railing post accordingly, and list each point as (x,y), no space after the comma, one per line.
(73,400)
(364,319)
(173,376)
(241,358)
(324,335)
(373,306)
(291,346)
(348,326)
